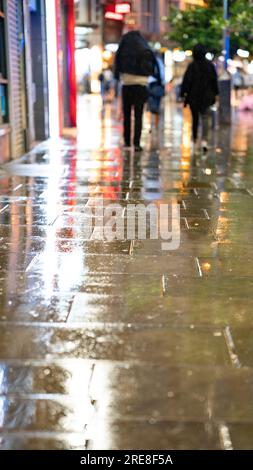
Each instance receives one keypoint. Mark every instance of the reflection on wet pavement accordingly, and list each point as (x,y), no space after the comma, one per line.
(121,345)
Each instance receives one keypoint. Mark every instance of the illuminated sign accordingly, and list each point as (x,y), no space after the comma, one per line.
(122,8)
(110,15)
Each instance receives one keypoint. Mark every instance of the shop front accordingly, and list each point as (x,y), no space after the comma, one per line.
(4,106)
(13,125)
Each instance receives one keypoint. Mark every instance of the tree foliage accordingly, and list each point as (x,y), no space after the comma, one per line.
(205,25)
(241,25)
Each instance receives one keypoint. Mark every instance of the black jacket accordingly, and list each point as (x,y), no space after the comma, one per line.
(134,56)
(200,84)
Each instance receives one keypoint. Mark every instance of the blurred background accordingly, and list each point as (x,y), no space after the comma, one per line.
(54,50)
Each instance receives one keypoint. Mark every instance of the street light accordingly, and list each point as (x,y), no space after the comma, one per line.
(225,80)
(226,35)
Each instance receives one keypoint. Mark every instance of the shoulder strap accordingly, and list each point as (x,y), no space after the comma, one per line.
(157,71)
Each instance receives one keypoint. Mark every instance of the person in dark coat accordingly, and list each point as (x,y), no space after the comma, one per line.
(199,90)
(134,63)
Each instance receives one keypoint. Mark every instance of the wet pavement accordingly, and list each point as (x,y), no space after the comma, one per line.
(121,345)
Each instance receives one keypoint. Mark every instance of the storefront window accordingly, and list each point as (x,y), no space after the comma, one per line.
(3,105)
(3,69)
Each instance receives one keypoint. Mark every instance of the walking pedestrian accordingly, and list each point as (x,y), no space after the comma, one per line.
(101,79)
(238,82)
(134,63)
(199,90)
(106,79)
(156,92)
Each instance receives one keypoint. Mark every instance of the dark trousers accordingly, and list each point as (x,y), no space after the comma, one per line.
(196,116)
(134,97)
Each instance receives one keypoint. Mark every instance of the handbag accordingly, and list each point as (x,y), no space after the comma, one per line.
(157,90)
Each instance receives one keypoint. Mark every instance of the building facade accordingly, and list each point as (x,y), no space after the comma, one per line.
(13,118)
(88,20)
(149,16)
(4,88)
(37,72)
(23,77)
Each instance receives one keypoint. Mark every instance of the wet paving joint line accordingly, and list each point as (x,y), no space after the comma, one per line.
(131,248)
(77,325)
(32,263)
(69,362)
(225,438)
(53,221)
(198,267)
(184,205)
(4,208)
(41,434)
(206,214)
(17,187)
(231,347)
(44,194)
(70,308)
(210,401)
(90,200)
(234,183)
(186,223)
(88,444)
(102,327)
(65,172)
(62,397)
(32,289)
(92,400)
(164,285)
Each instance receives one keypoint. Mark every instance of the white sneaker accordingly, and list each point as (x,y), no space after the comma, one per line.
(204,146)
